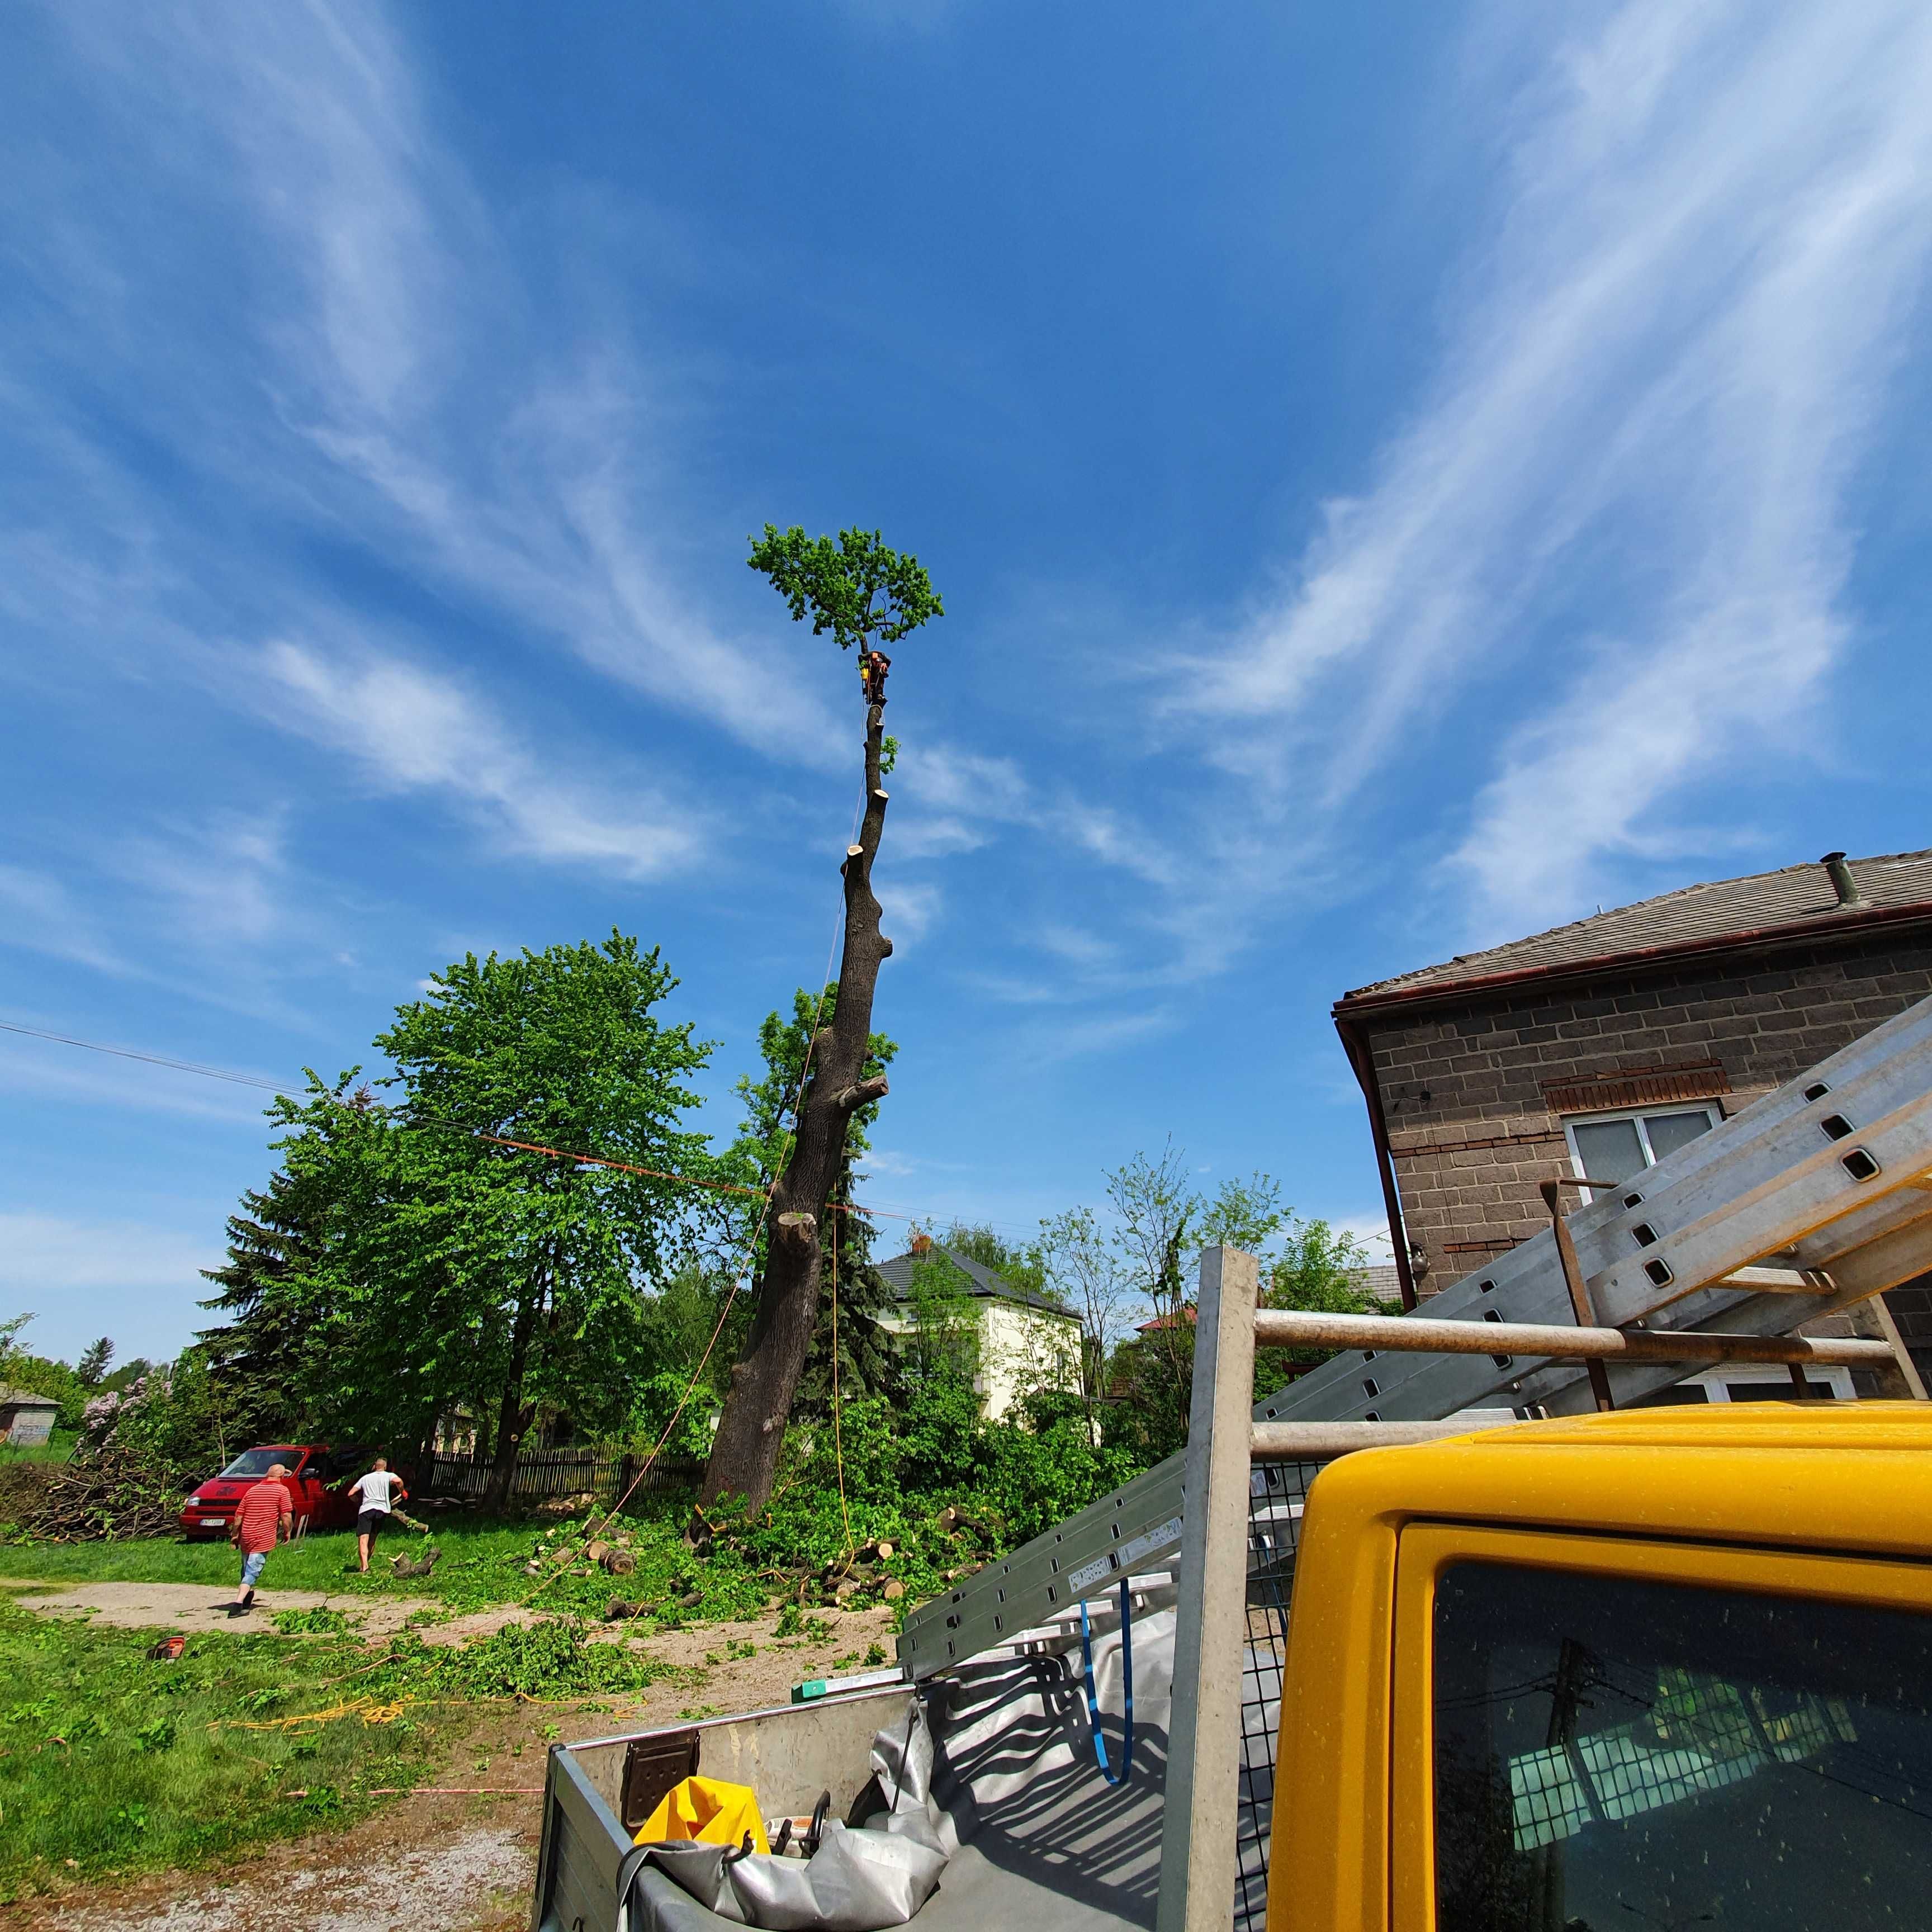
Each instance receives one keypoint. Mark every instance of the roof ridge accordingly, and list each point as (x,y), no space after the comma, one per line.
(1761,900)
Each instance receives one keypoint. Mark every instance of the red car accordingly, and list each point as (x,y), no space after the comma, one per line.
(317,1484)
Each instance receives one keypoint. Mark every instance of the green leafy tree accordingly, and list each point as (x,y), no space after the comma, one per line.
(1162,1223)
(95,1360)
(39,1375)
(864,593)
(1083,1270)
(459,1270)
(856,587)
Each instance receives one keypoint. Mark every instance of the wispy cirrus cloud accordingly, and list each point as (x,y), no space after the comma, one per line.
(386,368)
(410,729)
(1626,488)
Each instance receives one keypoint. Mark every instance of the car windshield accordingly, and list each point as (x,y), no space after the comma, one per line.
(257,1462)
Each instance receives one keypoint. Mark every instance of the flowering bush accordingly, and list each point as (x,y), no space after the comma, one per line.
(98,1417)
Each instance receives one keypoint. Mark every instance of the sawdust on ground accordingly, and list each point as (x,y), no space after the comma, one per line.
(440,1857)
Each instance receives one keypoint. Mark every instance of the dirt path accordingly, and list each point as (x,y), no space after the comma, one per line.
(201,1607)
(473,1878)
(737,1682)
(457,1863)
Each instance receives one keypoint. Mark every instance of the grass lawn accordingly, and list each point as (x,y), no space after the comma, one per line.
(113,1762)
(482,1563)
(110,1761)
(57,1448)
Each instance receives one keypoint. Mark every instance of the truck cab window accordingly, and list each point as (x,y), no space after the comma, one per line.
(1612,1753)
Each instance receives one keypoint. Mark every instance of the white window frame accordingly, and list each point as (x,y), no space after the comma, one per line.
(1715,1381)
(1710,1108)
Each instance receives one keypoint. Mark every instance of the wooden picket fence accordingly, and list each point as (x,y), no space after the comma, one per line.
(542,1474)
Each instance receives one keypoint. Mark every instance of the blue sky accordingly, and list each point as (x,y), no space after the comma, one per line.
(1398,478)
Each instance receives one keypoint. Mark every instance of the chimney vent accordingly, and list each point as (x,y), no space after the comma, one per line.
(1843,883)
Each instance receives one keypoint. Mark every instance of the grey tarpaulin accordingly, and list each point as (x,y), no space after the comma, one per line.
(859,1880)
(997,1787)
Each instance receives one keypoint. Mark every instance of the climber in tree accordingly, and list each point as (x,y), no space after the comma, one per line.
(864,594)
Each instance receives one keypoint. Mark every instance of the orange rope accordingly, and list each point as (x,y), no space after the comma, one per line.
(682,1180)
(622,1166)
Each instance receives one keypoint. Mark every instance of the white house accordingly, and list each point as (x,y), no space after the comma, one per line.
(1019,1341)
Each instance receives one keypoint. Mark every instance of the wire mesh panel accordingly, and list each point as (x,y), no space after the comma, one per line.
(1276,1493)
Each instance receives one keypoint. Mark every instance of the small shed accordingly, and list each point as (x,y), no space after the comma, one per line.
(26,1420)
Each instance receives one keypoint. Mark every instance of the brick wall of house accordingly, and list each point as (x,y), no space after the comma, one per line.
(1470,1125)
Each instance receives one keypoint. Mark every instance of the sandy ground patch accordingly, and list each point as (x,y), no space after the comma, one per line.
(199,1606)
(743,1683)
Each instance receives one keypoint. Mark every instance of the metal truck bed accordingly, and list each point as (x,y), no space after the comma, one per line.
(1043,1840)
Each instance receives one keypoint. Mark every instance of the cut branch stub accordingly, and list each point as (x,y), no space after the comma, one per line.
(799,1228)
(851,1099)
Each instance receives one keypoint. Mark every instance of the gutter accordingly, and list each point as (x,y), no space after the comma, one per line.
(1453,991)
(1357,1048)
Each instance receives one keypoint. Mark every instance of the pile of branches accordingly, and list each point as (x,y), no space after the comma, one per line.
(104,1494)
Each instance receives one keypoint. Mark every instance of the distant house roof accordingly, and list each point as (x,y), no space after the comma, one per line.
(1382,1279)
(1379,1280)
(1792,903)
(25,1399)
(983,1283)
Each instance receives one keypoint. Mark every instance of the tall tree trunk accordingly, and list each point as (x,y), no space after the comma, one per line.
(513,1416)
(745,1453)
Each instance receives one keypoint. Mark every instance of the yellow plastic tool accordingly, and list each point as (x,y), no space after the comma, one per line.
(705,1811)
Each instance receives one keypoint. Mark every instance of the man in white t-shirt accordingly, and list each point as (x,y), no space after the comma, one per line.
(377,1495)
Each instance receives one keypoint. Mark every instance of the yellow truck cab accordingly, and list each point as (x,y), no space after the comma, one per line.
(1662,1668)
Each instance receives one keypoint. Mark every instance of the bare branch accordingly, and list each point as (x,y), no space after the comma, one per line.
(861,1095)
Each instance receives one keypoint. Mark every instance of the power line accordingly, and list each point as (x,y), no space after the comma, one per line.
(558,1153)
(151,1059)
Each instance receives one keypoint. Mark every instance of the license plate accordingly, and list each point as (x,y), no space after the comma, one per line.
(211,1522)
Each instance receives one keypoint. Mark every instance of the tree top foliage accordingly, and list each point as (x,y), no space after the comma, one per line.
(856,587)
(561,1043)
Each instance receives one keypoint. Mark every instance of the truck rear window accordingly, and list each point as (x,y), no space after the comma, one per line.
(1616,1754)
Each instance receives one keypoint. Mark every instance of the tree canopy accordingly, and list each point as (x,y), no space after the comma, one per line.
(443,1269)
(856,587)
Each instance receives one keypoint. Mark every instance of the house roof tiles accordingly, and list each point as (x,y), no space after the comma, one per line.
(983,1282)
(1787,903)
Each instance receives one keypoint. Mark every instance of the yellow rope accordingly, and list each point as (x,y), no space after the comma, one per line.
(370,1710)
(837,1442)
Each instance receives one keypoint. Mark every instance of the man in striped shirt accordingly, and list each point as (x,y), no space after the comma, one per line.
(266,1515)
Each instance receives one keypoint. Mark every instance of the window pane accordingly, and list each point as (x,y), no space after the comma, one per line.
(1610,1150)
(1612,1753)
(1670,1132)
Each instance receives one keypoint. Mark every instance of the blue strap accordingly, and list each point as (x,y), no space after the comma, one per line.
(1126,1687)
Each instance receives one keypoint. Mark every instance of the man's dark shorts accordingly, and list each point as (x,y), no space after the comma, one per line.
(369,1523)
